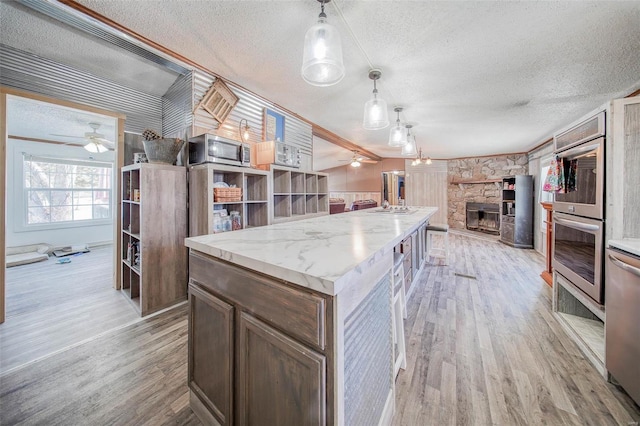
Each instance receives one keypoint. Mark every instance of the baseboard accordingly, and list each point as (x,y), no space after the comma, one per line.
(387,413)
(201,411)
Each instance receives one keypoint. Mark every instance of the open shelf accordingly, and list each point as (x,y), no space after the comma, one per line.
(304,194)
(154,277)
(255,193)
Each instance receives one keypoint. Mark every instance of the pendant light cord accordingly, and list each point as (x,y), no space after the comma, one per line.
(358,44)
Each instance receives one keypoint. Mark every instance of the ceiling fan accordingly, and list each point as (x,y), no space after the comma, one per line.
(357,160)
(95,141)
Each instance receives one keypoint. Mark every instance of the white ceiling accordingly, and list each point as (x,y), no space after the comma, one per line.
(475,78)
(40,120)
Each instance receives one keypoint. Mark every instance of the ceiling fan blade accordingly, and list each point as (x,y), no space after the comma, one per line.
(103,141)
(67,136)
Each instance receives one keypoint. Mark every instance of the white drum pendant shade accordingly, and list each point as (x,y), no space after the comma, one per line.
(398,136)
(410,148)
(322,58)
(376,115)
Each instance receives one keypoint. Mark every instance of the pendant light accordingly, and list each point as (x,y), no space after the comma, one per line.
(322,58)
(410,147)
(376,115)
(398,135)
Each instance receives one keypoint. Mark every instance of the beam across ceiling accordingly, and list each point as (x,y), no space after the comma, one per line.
(154,48)
(325,134)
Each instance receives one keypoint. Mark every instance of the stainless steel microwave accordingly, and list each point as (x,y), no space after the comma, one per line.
(208,148)
(273,152)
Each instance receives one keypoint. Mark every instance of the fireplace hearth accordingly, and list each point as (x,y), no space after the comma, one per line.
(483,217)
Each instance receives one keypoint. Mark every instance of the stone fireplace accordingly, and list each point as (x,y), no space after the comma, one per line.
(483,217)
(478,180)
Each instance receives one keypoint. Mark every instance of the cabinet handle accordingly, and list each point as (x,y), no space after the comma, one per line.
(622,265)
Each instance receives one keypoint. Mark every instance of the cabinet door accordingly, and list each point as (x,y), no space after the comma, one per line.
(507,232)
(211,352)
(279,381)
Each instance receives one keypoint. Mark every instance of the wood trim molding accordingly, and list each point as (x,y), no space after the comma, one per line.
(631,95)
(22,138)
(540,145)
(342,142)
(472,181)
(329,136)
(485,156)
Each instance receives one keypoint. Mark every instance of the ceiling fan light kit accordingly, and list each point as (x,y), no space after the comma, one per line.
(95,140)
(322,63)
(376,115)
(398,135)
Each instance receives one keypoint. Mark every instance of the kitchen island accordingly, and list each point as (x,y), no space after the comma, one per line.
(292,323)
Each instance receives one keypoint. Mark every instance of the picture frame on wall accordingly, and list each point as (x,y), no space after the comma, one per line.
(272,126)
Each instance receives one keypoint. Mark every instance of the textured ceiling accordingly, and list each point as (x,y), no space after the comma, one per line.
(475,78)
(39,120)
(33,32)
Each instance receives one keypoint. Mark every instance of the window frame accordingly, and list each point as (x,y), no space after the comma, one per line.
(23,225)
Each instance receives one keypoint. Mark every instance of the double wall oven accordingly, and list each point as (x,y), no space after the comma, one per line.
(578,218)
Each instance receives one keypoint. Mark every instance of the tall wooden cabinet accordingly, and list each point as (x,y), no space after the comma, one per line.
(154,226)
(299,195)
(253,204)
(516,224)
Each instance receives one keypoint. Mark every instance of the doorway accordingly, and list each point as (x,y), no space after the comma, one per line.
(61,183)
(393,188)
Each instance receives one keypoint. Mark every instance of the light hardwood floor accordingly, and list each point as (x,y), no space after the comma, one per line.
(51,306)
(480,351)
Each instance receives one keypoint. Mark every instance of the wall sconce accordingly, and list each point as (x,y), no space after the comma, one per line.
(398,135)
(410,147)
(376,115)
(244,131)
(322,57)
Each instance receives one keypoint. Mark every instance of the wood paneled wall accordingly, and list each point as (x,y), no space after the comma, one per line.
(366,178)
(426,185)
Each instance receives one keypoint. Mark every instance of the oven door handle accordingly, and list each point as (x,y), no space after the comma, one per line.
(577,225)
(622,265)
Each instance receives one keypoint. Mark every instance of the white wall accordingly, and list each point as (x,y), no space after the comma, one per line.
(15,233)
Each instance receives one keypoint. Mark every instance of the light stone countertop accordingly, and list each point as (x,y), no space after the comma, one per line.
(631,245)
(323,253)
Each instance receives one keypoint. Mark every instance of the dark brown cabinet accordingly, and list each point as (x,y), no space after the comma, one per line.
(211,352)
(258,348)
(264,358)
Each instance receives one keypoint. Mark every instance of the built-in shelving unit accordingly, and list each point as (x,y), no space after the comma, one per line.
(582,319)
(298,194)
(516,209)
(153,263)
(253,203)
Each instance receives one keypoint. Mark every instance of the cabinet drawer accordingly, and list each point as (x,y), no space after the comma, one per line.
(298,313)
(405,246)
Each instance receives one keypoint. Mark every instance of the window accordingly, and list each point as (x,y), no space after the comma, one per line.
(66,190)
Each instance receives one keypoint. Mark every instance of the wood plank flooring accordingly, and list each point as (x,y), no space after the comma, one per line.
(489,351)
(480,352)
(51,306)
